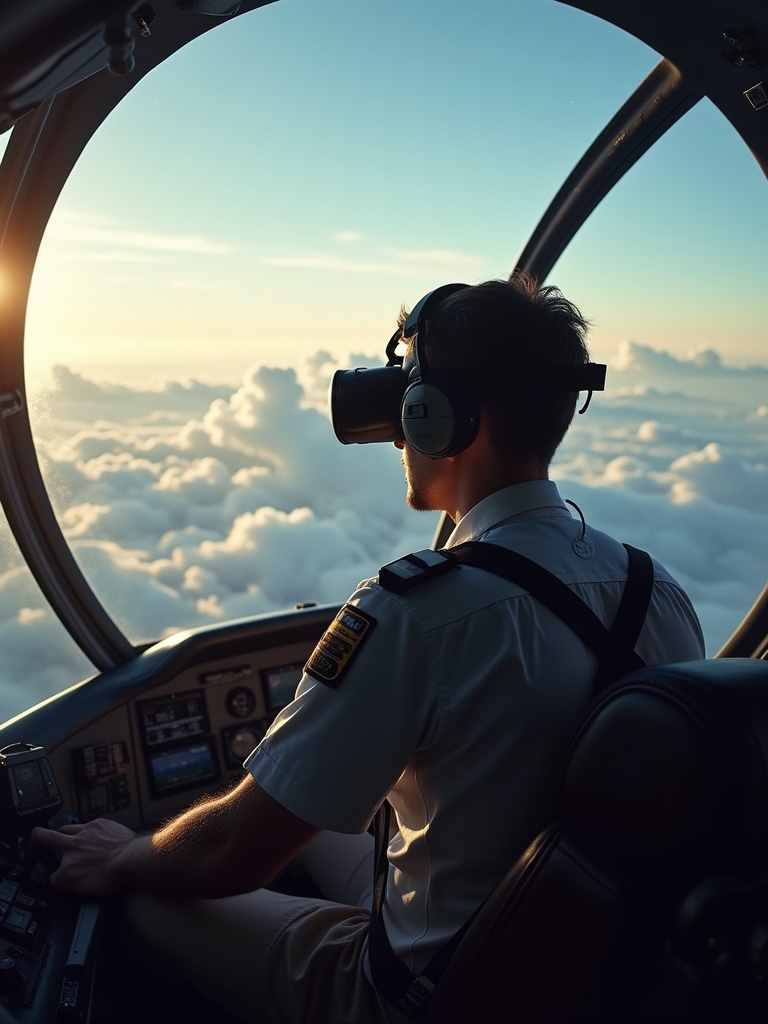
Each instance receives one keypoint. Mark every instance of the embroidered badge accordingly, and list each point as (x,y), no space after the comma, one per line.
(339,644)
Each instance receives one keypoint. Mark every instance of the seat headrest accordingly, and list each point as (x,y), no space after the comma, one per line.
(674,756)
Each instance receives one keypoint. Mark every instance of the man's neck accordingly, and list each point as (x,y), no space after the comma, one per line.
(479,485)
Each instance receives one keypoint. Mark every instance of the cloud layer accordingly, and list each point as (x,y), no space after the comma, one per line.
(191,503)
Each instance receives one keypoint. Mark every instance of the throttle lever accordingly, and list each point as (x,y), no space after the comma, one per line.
(29,794)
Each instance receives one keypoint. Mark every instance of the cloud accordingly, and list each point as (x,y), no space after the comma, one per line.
(704,363)
(189,503)
(39,658)
(116,256)
(347,236)
(75,397)
(672,458)
(77,227)
(438,257)
(414,264)
(196,285)
(721,476)
(331,262)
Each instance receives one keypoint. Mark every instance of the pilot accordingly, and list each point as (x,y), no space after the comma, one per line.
(445,689)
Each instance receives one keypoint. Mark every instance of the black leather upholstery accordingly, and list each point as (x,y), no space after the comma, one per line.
(648,899)
(671,754)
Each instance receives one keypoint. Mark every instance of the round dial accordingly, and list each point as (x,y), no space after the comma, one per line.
(242,742)
(241,702)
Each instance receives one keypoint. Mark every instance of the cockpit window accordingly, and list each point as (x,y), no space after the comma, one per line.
(39,656)
(672,457)
(228,239)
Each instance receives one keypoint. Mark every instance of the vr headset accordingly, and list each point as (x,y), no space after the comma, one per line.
(436,412)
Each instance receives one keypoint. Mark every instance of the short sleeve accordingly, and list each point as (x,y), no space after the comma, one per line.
(335,752)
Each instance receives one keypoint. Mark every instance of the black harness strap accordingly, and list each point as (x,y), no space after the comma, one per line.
(614,648)
(617,657)
(629,620)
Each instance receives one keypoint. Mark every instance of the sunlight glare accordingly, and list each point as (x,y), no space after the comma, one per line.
(5,284)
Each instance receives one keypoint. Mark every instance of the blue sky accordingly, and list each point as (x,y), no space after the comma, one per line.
(287,181)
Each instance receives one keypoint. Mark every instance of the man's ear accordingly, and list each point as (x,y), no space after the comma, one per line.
(482,440)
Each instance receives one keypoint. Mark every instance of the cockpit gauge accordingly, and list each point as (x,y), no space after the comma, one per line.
(238,741)
(242,742)
(241,702)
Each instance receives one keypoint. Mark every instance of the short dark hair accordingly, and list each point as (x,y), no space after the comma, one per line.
(512,323)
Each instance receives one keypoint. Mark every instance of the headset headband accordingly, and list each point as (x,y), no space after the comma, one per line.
(529,380)
(413,323)
(376,405)
(520,379)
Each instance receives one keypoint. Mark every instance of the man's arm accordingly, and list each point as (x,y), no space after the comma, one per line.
(219,847)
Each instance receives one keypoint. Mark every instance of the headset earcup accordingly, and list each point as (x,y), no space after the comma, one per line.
(437,419)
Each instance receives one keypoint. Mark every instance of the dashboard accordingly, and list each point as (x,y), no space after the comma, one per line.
(137,744)
(150,755)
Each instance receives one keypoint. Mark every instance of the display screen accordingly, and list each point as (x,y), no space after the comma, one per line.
(30,784)
(280,684)
(177,717)
(182,767)
(228,675)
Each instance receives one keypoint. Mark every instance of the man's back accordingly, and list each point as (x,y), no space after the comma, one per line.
(459,703)
(454,700)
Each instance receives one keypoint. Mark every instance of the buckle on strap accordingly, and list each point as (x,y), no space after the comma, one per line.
(415,1001)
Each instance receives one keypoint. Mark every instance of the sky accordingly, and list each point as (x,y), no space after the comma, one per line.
(252,218)
(298,173)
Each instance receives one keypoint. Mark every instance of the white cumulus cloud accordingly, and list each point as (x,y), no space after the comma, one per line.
(189,503)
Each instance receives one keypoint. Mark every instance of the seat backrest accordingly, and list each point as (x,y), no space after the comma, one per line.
(664,794)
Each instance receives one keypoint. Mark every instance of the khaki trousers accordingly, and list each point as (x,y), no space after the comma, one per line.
(269,958)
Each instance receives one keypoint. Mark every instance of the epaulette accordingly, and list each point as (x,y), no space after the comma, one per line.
(414,569)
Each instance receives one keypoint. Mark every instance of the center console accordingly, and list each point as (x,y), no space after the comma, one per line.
(47,940)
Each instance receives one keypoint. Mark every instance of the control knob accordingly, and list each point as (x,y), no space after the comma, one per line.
(11,980)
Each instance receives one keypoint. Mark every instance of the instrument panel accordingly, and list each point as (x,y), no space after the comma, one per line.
(149,756)
(137,744)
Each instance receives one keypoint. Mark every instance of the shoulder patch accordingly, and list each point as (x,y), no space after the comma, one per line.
(412,570)
(339,644)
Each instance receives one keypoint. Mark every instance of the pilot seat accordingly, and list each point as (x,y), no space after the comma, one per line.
(648,899)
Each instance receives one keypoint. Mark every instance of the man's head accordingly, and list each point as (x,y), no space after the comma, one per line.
(505,328)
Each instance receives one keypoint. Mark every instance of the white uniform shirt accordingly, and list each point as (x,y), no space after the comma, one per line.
(458,702)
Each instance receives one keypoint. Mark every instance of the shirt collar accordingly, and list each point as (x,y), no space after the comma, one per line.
(520,501)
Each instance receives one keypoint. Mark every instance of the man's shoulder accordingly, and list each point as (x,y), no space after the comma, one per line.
(424,589)
(415,569)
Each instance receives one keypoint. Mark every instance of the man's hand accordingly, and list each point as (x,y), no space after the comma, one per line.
(91,855)
(227,844)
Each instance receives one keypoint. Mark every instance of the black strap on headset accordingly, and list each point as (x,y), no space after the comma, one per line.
(617,657)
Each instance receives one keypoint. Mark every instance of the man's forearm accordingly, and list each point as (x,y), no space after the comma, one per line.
(221,846)
(195,855)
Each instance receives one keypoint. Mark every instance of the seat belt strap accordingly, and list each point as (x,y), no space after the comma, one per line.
(630,617)
(615,651)
(408,992)
(614,648)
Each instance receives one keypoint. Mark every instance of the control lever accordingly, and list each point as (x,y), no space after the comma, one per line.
(49,942)
(80,965)
(29,794)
